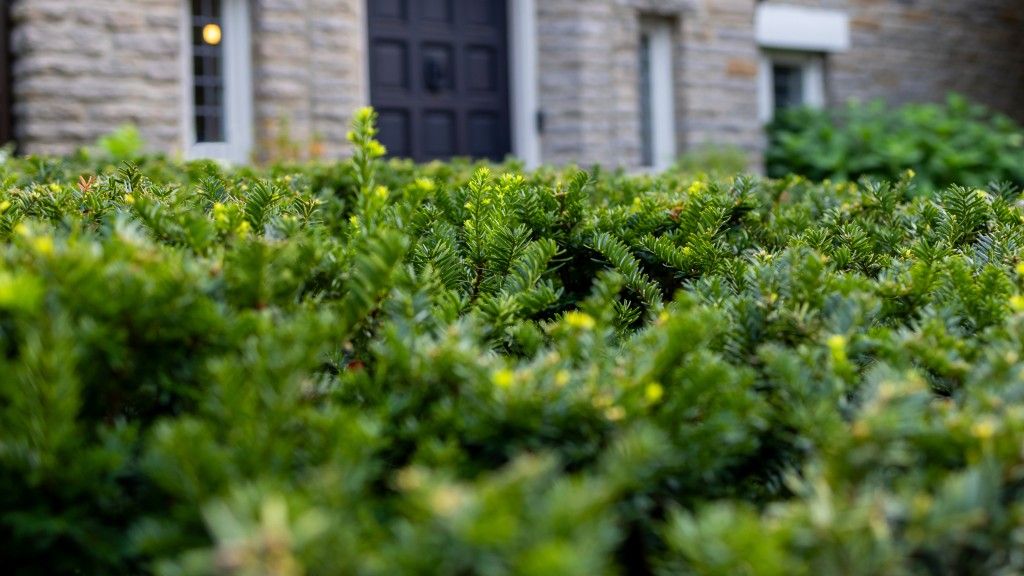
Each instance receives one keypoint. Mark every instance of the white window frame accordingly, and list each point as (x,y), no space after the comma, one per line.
(812,67)
(238,86)
(789,27)
(661,103)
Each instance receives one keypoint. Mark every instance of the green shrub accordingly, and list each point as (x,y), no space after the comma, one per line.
(722,161)
(955,143)
(125,143)
(375,368)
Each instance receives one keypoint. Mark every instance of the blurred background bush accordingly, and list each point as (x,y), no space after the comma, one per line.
(957,142)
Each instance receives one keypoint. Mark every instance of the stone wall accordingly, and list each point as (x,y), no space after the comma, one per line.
(589,83)
(309,74)
(903,51)
(83,68)
(718,74)
(588,79)
(921,50)
(560,75)
(577,46)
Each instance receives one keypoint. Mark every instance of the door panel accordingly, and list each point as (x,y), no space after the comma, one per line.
(485,13)
(481,69)
(439,77)
(481,126)
(438,134)
(392,59)
(394,128)
(389,9)
(437,10)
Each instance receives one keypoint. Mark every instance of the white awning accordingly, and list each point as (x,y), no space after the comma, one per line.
(800,28)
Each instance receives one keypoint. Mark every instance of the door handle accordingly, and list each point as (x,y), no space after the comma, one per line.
(435,74)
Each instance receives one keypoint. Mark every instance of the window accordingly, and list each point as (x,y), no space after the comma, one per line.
(219,96)
(796,40)
(208,67)
(790,80)
(788,88)
(657,102)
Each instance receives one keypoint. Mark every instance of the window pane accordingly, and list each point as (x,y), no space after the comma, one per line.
(207,70)
(788,86)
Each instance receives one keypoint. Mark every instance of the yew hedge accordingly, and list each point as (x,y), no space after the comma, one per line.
(375,368)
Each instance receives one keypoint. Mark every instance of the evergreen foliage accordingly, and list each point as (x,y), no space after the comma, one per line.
(376,368)
(952,143)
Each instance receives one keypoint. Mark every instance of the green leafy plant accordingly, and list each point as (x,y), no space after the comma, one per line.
(373,367)
(722,161)
(945,144)
(125,143)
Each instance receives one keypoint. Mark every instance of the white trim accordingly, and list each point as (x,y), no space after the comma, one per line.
(788,27)
(811,65)
(238,87)
(185,41)
(814,82)
(662,99)
(523,81)
(363,12)
(765,90)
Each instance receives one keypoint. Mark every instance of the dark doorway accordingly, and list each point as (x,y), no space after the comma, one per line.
(439,77)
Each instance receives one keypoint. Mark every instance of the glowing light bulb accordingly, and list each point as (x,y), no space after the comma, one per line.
(212,34)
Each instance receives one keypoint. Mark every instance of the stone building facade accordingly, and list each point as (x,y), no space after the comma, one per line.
(615,82)
(899,50)
(84,67)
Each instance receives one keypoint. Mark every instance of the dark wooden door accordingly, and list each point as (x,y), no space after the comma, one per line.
(439,77)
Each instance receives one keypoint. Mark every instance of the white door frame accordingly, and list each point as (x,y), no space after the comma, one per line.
(523,90)
(238,87)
